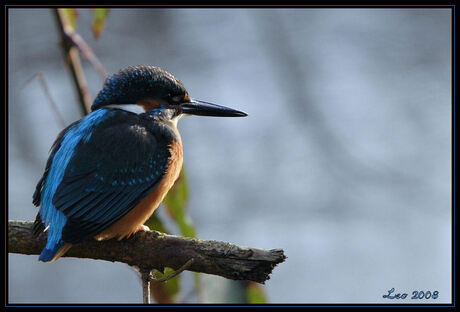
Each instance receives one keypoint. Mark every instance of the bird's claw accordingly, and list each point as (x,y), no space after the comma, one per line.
(143,228)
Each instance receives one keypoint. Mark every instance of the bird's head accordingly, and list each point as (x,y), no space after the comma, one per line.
(152,89)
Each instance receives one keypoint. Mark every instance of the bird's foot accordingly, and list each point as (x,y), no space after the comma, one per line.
(143,228)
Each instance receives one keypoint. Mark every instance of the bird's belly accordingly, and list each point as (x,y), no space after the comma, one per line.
(133,220)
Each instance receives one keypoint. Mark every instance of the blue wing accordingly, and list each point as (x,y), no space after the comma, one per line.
(108,176)
(99,169)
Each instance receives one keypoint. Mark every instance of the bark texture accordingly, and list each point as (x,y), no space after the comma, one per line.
(155,250)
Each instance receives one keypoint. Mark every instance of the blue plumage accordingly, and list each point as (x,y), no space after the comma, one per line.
(50,251)
(50,216)
(115,161)
(99,169)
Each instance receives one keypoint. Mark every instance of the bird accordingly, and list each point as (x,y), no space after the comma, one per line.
(109,171)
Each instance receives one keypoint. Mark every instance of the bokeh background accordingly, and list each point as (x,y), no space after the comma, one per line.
(344,160)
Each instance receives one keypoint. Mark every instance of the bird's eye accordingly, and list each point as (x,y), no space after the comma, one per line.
(176,98)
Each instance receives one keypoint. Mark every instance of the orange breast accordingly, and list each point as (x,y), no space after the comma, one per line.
(132,221)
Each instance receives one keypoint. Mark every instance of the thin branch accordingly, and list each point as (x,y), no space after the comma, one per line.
(155,250)
(174,274)
(71,51)
(88,54)
(147,278)
(41,78)
(146,275)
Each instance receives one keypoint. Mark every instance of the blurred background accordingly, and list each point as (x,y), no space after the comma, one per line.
(344,160)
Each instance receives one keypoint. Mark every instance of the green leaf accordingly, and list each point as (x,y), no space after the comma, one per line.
(175,202)
(165,292)
(198,288)
(255,293)
(154,223)
(72,15)
(98,23)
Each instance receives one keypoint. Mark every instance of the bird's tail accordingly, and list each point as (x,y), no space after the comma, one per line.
(51,255)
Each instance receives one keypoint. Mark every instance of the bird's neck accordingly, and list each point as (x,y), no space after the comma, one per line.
(160,115)
(173,125)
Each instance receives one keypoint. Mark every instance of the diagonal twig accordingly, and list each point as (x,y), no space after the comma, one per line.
(41,78)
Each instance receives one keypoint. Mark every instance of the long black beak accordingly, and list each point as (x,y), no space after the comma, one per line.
(200,108)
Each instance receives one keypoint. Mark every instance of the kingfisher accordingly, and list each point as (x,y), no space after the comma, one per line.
(108,172)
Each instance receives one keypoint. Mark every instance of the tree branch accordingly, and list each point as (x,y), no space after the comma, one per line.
(72,54)
(155,250)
